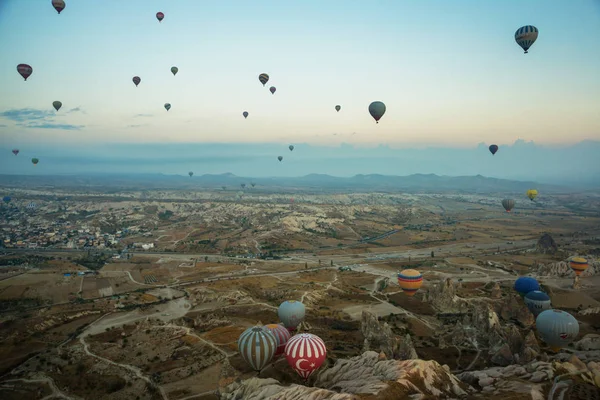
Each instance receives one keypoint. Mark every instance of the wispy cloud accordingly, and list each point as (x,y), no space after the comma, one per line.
(26,115)
(40,119)
(144,115)
(76,109)
(48,125)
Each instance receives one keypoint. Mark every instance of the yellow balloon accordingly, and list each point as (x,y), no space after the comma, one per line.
(532,194)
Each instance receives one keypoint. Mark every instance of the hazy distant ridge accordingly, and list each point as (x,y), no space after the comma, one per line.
(320,182)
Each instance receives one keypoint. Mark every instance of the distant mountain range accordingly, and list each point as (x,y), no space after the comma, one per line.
(430,183)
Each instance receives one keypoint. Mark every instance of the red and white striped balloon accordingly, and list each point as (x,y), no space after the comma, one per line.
(305,353)
(282,335)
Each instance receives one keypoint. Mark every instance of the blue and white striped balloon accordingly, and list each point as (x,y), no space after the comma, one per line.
(537,302)
(525,36)
(257,346)
(557,328)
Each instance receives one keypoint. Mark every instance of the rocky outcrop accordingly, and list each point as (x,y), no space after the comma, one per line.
(367,374)
(546,245)
(563,269)
(442,297)
(379,337)
(534,379)
(515,309)
(271,389)
(590,341)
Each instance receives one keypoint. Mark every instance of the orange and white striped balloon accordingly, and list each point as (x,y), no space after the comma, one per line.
(578,265)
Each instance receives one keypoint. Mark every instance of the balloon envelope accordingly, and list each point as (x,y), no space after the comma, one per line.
(57,105)
(160,16)
(410,280)
(136,80)
(245,114)
(508,204)
(532,194)
(377,109)
(280,158)
(190,173)
(557,328)
(257,346)
(493,149)
(338,108)
(6,199)
(58,5)
(526,284)
(305,353)
(537,302)
(263,78)
(272,89)
(291,313)
(291,147)
(281,335)
(525,36)
(578,265)
(15,151)
(167,106)
(174,70)
(25,70)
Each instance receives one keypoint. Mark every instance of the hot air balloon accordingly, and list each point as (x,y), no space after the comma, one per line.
(493,149)
(305,353)
(282,336)
(243,185)
(6,199)
(58,5)
(223,187)
(557,328)
(174,70)
(35,161)
(167,106)
(263,78)
(377,109)
(272,89)
(24,70)
(57,105)
(136,80)
(280,158)
(525,36)
(190,174)
(508,204)
(15,151)
(257,346)
(532,194)
(410,280)
(537,302)
(160,16)
(338,108)
(253,184)
(291,313)
(245,114)
(578,265)
(526,284)
(291,147)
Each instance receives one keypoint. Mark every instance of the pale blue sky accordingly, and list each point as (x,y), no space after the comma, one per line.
(449,72)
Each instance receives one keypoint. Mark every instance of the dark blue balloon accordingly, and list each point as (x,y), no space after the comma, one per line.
(493,149)
(6,199)
(537,295)
(526,284)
